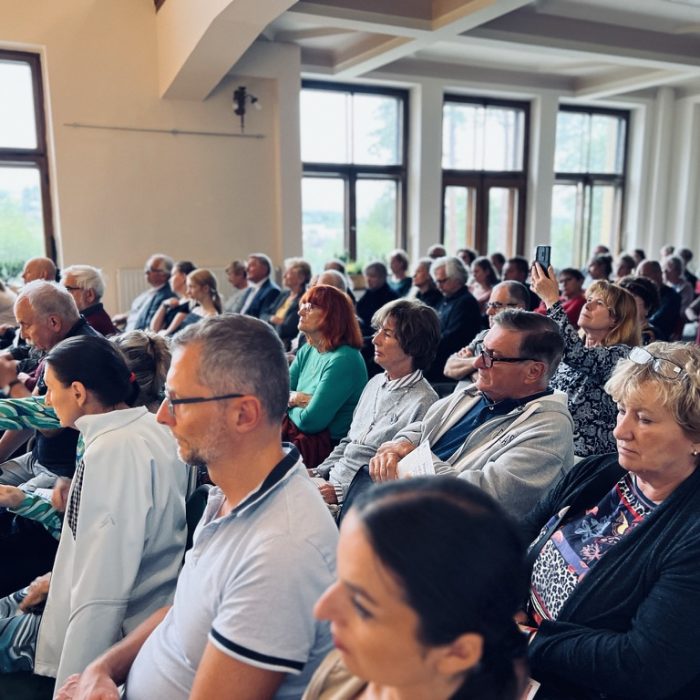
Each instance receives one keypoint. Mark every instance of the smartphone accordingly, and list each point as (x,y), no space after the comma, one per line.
(543,255)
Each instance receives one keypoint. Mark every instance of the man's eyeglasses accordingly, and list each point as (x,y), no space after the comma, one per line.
(171,403)
(72,289)
(668,369)
(151,269)
(442,281)
(488,359)
(498,306)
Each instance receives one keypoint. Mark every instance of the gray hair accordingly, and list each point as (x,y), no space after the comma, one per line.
(417,328)
(86,277)
(333,278)
(517,291)
(540,340)
(301,266)
(50,299)
(161,260)
(677,263)
(264,259)
(454,268)
(147,355)
(241,354)
(379,268)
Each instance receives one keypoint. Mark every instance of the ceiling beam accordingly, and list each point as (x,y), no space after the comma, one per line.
(450,19)
(624,81)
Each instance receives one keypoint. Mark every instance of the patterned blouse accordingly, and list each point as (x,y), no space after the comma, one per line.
(582,375)
(576,546)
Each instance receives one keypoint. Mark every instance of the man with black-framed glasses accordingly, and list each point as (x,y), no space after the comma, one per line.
(508,433)
(505,295)
(241,625)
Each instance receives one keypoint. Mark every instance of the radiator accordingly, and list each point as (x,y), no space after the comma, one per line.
(131,282)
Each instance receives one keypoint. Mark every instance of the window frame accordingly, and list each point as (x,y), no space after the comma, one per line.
(588,180)
(350,173)
(484,180)
(38,156)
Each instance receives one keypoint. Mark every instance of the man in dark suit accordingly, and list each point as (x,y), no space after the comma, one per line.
(143,308)
(262,292)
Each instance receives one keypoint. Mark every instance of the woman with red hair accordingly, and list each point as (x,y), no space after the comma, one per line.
(327,375)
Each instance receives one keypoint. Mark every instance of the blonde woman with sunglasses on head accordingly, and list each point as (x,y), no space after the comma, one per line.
(614,605)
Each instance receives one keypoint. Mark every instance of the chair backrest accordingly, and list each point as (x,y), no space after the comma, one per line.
(194,509)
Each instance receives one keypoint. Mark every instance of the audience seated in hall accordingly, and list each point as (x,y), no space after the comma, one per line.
(505,295)
(86,285)
(285,312)
(509,433)
(571,296)
(262,292)
(674,276)
(327,375)
(406,335)
(608,329)
(666,317)
(518,268)
(377,293)
(124,534)
(238,279)
(264,550)
(646,296)
(39,269)
(482,281)
(424,288)
(144,307)
(400,280)
(460,319)
(162,321)
(615,546)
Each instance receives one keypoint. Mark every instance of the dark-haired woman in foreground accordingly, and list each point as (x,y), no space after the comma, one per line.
(124,530)
(430,573)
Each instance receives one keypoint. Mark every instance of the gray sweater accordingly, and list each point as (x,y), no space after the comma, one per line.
(514,457)
(383,410)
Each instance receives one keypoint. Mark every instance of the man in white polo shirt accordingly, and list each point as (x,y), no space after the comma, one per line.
(241,625)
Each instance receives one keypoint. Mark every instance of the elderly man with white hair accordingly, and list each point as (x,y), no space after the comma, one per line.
(86,285)
(143,308)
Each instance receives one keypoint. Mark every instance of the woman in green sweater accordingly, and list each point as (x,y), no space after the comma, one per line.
(328,373)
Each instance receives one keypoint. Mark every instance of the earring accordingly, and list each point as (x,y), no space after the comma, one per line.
(694,453)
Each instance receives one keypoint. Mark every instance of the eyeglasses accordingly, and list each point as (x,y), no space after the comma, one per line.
(442,281)
(498,306)
(307,307)
(488,359)
(668,369)
(171,403)
(72,289)
(152,269)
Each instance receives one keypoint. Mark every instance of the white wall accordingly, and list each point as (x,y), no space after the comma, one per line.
(119,196)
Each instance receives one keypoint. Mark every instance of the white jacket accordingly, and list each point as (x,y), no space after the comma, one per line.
(123,563)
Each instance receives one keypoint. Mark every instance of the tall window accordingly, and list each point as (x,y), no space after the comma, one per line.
(25,208)
(484,161)
(353,148)
(589,166)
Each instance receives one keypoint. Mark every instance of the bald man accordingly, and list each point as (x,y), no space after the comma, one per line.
(39,269)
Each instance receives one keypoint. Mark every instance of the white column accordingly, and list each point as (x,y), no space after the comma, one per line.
(425,167)
(543,131)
